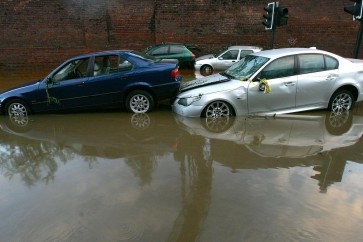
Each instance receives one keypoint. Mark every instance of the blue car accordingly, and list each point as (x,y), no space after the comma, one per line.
(117,78)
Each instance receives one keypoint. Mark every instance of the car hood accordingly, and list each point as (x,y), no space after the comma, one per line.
(204,57)
(25,85)
(205,81)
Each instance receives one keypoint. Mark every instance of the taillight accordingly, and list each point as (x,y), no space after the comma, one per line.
(193,55)
(174,73)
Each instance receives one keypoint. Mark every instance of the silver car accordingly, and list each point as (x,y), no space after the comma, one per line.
(224,58)
(274,82)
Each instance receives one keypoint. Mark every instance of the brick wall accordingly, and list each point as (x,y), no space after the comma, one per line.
(38,34)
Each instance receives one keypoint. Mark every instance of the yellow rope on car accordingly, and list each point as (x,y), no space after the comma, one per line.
(264,82)
(267,86)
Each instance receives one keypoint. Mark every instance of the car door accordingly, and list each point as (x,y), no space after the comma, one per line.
(227,59)
(111,73)
(66,87)
(281,78)
(317,72)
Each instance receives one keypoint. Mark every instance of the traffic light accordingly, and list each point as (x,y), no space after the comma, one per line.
(282,15)
(269,16)
(355,10)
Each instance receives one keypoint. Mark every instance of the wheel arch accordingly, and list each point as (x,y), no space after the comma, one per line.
(139,87)
(233,109)
(5,102)
(351,88)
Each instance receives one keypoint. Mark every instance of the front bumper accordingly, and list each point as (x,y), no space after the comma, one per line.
(187,111)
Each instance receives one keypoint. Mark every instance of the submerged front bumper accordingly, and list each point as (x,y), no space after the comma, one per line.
(187,111)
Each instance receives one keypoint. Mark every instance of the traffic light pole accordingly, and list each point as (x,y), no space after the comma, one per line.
(359,40)
(273,38)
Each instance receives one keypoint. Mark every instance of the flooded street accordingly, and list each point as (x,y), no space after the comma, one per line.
(117,176)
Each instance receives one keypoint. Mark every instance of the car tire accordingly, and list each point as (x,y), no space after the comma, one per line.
(206,69)
(139,101)
(17,108)
(342,100)
(217,109)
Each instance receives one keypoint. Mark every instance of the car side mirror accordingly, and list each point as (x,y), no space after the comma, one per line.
(262,87)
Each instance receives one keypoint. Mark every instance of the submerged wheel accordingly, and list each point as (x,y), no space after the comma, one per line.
(17,108)
(217,109)
(139,101)
(342,100)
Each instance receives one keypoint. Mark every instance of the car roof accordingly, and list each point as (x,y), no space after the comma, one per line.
(275,53)
(246,47)
(103,53)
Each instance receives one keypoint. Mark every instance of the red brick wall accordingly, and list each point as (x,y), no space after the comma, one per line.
(39,33)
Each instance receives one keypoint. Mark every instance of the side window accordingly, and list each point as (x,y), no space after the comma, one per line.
(281,67)
(331,63)
(244,53)
(73,70)
(162,50)
(124,65)
(230,55)
(311,63)
(176,49)
(105,65)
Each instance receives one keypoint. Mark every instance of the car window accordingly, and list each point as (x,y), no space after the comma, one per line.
(281,67)
(244,53)
(109,64)
(124,65)
(331,63)
(230,55)
(73,70)
(176,49)
(162,50)
(309,63)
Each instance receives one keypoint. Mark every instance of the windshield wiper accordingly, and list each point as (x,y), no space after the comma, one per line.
(227,75)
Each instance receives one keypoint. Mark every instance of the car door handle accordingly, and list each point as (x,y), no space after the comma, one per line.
(124,77)
(289,84)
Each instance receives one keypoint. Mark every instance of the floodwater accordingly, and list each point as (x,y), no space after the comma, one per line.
(115,176)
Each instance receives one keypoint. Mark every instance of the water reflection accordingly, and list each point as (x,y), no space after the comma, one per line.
(32,145)
(140,138)
(180,193)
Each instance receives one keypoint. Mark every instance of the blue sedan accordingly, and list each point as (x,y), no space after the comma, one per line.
(105,79)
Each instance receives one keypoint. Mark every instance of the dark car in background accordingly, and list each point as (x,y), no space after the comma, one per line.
(181,52)
(117,78)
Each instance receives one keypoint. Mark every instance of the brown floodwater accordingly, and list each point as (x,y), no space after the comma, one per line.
(115,176)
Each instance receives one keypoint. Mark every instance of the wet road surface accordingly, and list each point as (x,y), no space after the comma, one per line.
(114,176)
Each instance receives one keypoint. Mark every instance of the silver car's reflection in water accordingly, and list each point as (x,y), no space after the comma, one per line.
(160,177)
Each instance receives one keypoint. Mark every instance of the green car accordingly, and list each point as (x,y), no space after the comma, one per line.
(177,51)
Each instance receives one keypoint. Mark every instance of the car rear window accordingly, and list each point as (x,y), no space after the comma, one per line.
(309,63)
(176,49)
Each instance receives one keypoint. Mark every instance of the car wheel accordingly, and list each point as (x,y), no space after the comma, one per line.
(139,101)
(341,101)
(217,109)
(207,69)
(17,108)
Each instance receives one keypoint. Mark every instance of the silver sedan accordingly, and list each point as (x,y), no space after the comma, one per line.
(274,82)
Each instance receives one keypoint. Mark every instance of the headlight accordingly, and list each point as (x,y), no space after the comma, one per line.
(186,101)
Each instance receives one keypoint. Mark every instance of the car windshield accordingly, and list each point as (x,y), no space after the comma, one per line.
(145,57)
(246,67)
(221,51)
